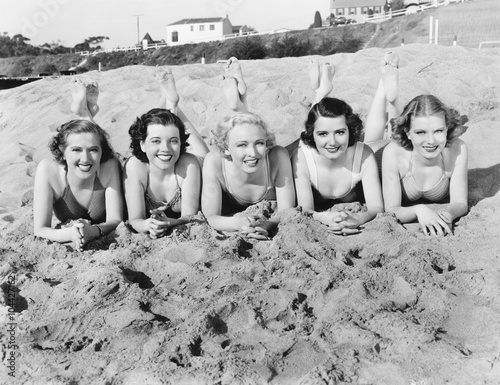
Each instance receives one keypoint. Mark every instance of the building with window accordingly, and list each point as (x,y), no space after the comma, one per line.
(198,30)
(358,10)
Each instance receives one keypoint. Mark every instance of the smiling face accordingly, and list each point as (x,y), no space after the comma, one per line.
(162,145)
(83,154)
(428,135)
(331,136)
(247,146)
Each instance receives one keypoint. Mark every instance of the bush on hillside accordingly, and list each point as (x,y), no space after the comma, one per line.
(248,48)
(46,68)
(328,46)
(289,46)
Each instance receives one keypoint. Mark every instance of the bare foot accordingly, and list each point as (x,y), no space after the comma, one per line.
(92,96)
(390,65)
(168,90)
(79,93)
(230,85)
(314,74)
(325,83)
(233,68)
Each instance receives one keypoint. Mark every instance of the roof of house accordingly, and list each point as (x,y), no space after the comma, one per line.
(357,3)
(199,20)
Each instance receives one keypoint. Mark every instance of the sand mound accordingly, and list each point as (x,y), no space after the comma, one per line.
(387,306)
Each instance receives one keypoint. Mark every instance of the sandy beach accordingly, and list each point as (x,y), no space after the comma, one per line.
(386,306)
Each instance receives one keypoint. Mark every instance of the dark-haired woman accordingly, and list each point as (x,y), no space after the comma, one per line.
(331,165)
(82,183)
(162,180)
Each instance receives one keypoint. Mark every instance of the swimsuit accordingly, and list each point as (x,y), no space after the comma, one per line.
(412,191)
(355,193)
(231,203)
(152,203)
(66,207)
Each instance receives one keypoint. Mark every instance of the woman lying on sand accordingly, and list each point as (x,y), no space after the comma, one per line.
(246,167)
(425,163)
(162,180)
(331,161)
(82,182)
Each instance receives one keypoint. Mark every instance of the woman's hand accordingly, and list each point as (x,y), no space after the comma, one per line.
(82,232)
(340,222)
(433,223)
(252,227)
(158,223)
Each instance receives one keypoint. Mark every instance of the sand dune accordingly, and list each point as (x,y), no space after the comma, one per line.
(387,306)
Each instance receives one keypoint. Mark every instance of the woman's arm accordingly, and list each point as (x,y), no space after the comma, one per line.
(458,183)
(111,174)
(46,174)
(211,198)
(135,174)
(391,185)
(371,188)
(283,183)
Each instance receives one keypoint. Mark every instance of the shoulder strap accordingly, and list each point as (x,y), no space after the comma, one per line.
(311,164)
(224,175)
(268,172)
(358,156)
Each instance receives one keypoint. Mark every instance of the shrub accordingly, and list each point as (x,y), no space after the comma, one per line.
(289,46)
(247,48)
(46,68)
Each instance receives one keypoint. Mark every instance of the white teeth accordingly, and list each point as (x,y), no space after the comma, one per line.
(165,158)
(86,167)
(251,162)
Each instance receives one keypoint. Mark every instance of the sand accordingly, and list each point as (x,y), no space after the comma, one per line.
(387,306)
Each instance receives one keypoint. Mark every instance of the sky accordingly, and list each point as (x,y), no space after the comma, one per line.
(70,22)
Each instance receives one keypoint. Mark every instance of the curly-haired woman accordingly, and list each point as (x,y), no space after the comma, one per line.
(245,167)
(424,163)
(82,182)
(162,180)
(331,164)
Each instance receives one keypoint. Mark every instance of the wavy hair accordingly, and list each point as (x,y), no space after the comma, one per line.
(332,108)
(138,131)
(424,106)
(59,142)
(219,135)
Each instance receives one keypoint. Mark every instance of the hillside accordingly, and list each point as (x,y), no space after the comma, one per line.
(471,22)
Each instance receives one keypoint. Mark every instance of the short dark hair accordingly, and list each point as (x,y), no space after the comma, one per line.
(59,142)
(332,108)
(139,130)
(423,106)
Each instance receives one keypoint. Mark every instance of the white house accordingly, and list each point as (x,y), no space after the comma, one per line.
(358,10)
(198,30)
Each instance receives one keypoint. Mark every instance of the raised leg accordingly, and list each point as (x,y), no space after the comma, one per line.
(79,104)
(325,83)
(92,96)
(170,97)
(384,105)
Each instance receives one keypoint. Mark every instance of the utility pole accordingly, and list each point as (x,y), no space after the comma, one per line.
(138,37)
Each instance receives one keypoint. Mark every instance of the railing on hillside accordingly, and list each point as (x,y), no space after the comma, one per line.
(488,42)
(402,12)
(159,45)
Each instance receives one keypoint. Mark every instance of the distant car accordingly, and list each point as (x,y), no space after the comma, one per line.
(351,21)
(341,20)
